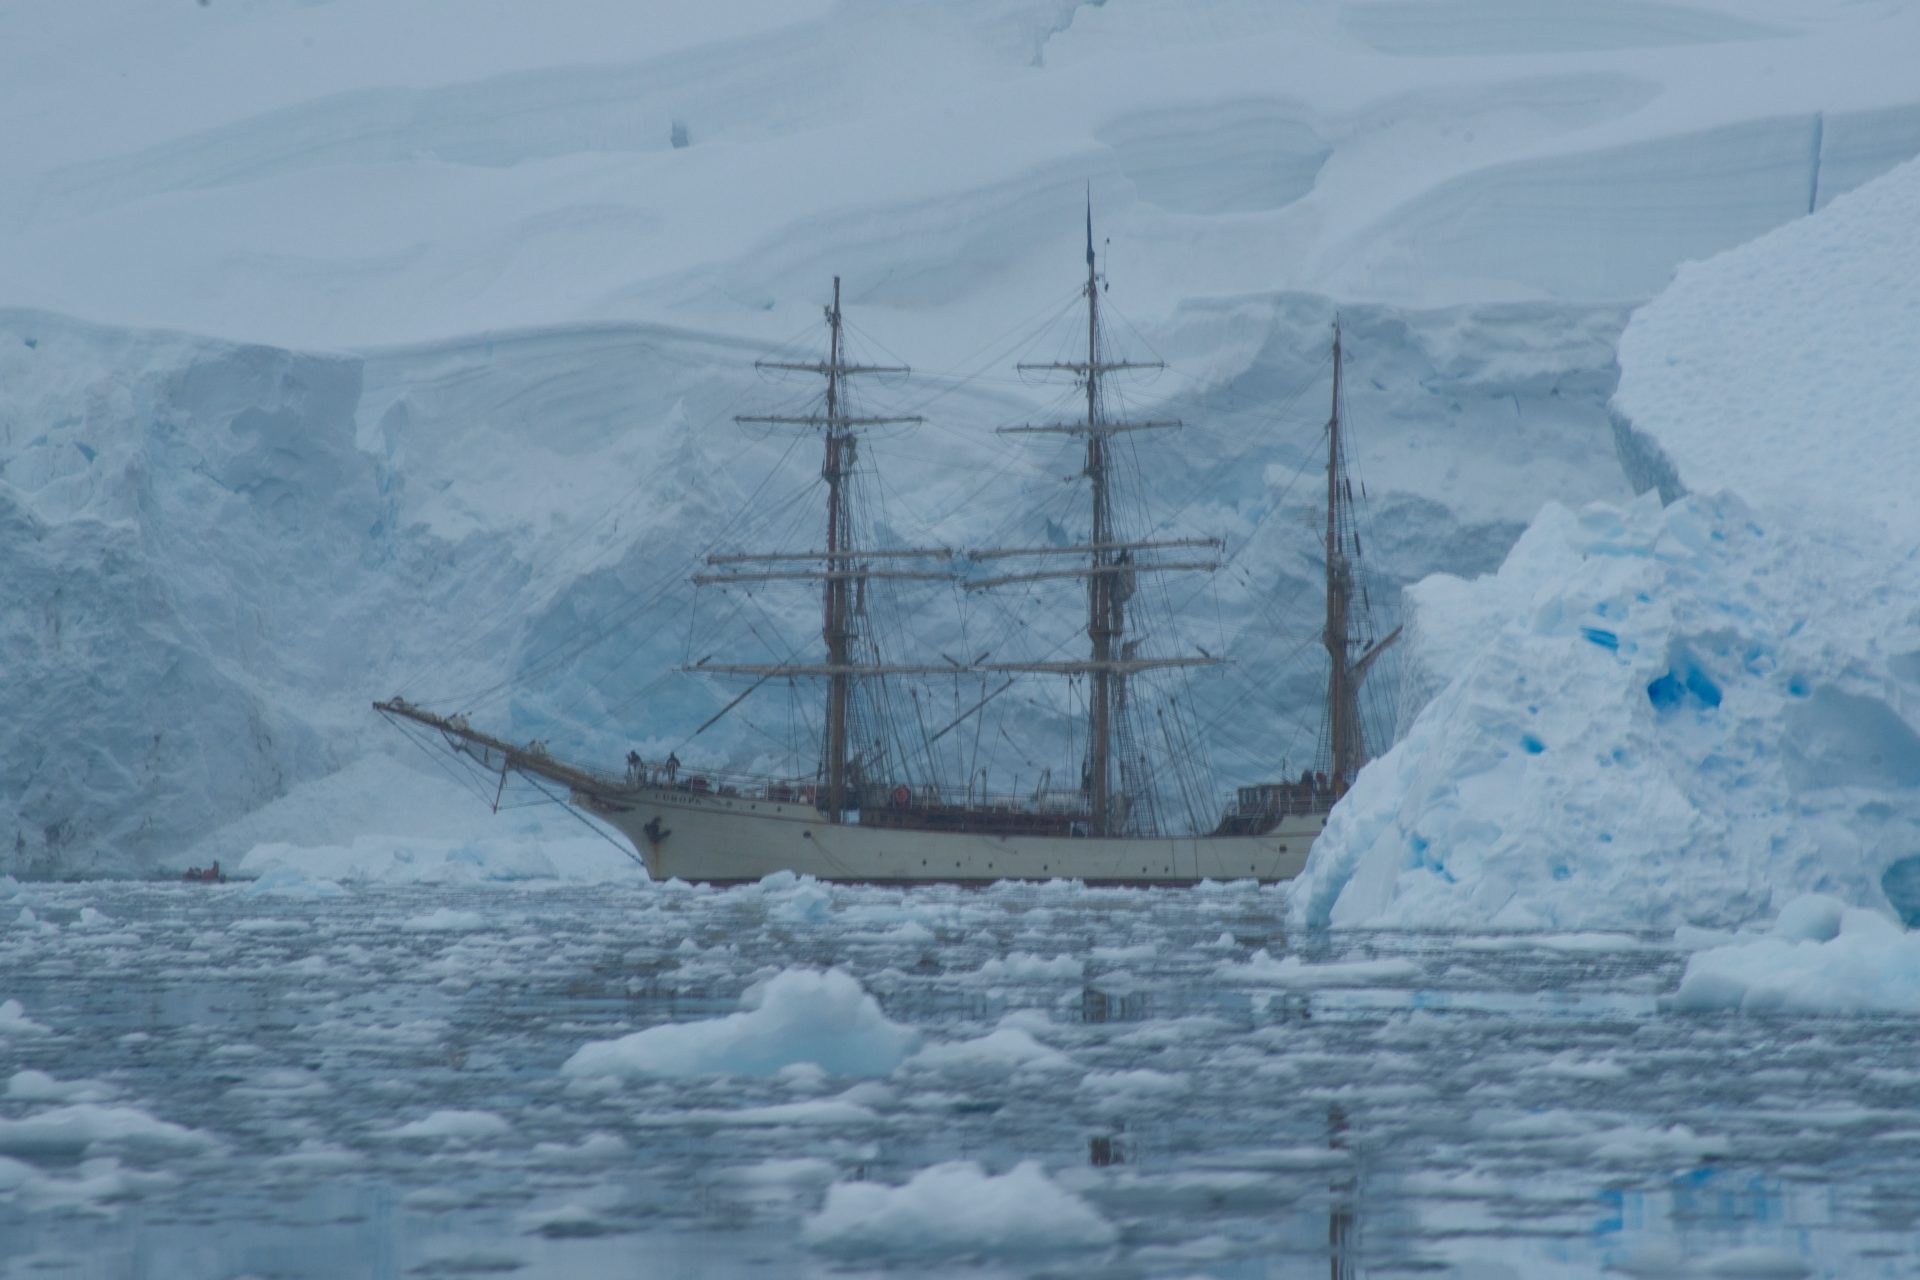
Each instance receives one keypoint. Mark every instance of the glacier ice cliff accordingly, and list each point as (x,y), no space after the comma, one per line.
(222,553)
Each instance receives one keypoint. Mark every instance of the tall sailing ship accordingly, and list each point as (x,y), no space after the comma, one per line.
(859,814)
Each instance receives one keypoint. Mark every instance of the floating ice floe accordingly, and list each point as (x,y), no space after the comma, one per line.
(1821,957)
(94,1186)
(15,1022)
(596,1148)
(1134,1090)
(798,1015)
(84,1125)
(28,1085)
(389,859)
(455,1126)
(564,1222)
(1292,971)
(796,900)
(1005,1048)
(958,1208)
(842,1112)
(294,882)
(28,920)
(444,920)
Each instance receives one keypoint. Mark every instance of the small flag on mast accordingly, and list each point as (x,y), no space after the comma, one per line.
(1089,224)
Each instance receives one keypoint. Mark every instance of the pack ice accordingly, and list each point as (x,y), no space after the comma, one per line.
(1656,715)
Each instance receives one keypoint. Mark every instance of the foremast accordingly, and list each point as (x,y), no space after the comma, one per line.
(842,570)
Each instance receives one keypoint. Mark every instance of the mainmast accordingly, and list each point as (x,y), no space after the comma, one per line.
(1105,619)
(1110,571)
(834,611)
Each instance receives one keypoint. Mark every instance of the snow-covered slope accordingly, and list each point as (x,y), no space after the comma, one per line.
(353,172)
(484,288)
(1690,714)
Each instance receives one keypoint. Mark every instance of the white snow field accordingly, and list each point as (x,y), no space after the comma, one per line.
(475,292)
(1691,715)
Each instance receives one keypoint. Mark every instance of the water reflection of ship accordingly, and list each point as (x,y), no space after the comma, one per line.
(1111,1149)
(1342,1233)
(879,803)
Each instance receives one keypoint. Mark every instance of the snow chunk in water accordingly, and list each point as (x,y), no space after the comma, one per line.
(292,882)
(15,1022)
(37,1086)
(387,859)
(95,1182)
(83,1125)
(958,1207)
(796,899)
(452,1126)
(1133,1090)
(798,1015)
(1005,1048)
(445,920)
(1022,966)
(1822,957)
(1291,971)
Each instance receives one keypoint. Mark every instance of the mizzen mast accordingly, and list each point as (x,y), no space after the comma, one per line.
(1346,737)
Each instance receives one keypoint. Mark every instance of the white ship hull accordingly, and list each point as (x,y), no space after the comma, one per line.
(719,839)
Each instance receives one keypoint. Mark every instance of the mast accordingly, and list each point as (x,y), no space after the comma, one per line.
(1110,568)
(1343,712)
(1346,736)
(842,572)
(1104,620)
(834,591)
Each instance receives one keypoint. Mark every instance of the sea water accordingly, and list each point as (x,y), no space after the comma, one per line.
(304,1079)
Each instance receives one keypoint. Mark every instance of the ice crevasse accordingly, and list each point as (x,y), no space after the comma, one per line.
(1695,707)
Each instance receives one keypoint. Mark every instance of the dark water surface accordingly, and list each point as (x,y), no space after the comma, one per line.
(232,1075)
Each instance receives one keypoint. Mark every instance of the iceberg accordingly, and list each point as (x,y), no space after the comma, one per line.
(958,1207)
(1685,714)
(799,1015)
